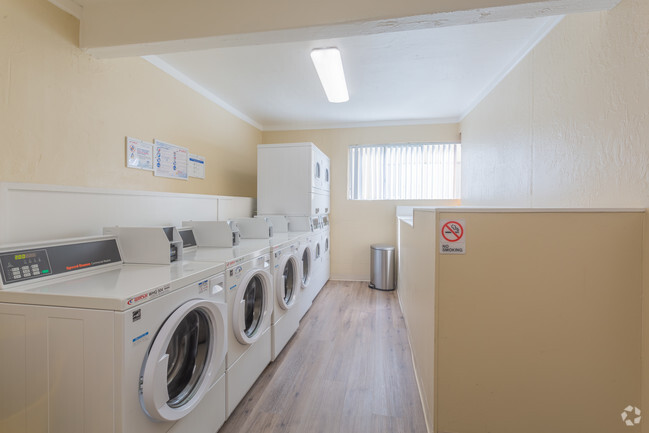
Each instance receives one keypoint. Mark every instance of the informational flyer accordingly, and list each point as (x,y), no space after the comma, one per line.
(170,160)
(139,154)
(196,166)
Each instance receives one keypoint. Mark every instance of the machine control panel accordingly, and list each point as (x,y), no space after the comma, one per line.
(25,265)
(28,264)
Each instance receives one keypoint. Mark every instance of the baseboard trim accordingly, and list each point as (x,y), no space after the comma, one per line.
(349,278)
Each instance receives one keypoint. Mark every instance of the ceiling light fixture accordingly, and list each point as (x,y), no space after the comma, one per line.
(329,66)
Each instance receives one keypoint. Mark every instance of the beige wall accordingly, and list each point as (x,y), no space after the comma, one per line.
(536,329)
(569,126)
(355,225)
(417,292)
(64,114)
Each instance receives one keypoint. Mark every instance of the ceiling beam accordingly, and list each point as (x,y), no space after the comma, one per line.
(117,28)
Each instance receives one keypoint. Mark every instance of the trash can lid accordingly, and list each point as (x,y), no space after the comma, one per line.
(382,247)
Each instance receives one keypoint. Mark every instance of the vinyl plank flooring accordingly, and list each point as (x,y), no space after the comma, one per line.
(347,369)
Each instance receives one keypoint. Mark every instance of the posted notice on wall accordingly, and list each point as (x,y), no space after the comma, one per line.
(196,166)
(170,160)
(139,154)
(452,236)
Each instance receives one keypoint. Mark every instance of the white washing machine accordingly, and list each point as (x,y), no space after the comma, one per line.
(324,268)
(302,229)
(249,295)
(317,264)
(286,267)
(306,253)
(249,291)
(90,345)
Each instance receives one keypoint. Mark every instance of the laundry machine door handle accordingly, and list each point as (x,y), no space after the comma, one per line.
(161,393)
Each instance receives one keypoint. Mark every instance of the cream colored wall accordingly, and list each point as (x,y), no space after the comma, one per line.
(569,126)
(64,114)
(536,329)
(417,291)
(355,225)
(540,323)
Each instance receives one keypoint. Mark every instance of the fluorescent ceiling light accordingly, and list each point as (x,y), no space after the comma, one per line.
(329,66)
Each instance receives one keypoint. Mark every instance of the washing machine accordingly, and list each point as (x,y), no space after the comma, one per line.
(287,278)
(315,242)
(249,296)
(89,344)
(302,229)
(324,269)
(249,293)
(286,267)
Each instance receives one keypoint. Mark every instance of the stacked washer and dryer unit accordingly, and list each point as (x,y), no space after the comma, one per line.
(293,180)
(91,344)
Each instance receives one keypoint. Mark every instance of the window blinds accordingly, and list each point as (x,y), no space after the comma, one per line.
(410,171)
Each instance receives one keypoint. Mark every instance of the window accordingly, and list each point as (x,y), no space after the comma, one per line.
(408,171)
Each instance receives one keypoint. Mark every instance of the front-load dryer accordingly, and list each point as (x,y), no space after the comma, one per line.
(90,345)
(286,268)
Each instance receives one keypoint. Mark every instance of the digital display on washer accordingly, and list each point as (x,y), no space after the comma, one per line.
(169,231)
(22,265)
(188,238)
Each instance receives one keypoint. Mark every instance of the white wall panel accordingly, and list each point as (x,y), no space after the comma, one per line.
(30,212)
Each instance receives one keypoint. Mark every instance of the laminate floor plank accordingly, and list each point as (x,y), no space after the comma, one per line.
(348,369)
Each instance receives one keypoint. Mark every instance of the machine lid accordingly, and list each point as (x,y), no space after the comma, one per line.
(116,288)
(183,358)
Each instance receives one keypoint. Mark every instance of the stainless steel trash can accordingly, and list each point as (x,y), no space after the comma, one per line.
(382,275)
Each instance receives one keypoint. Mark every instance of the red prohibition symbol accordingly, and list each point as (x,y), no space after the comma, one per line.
(452,231)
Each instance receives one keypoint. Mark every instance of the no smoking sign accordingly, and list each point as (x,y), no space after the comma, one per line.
(452,238)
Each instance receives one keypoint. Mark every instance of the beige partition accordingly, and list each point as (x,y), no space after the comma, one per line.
(416,290)
(535,329)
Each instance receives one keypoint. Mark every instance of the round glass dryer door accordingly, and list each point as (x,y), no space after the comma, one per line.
(252,307)
(288,282)
(306,267)
(187,349)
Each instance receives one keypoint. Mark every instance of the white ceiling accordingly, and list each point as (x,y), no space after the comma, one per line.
(406,62)
(417,76)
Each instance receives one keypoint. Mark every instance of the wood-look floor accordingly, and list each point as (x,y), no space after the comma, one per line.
(348,369)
